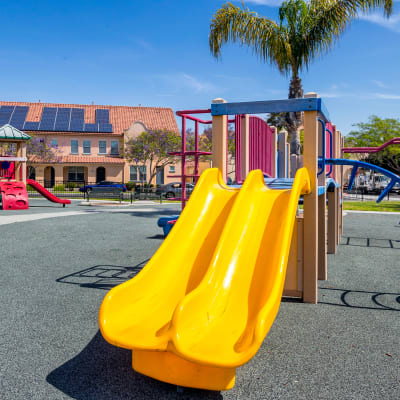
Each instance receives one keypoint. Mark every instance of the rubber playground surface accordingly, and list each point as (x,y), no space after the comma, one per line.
(58,263)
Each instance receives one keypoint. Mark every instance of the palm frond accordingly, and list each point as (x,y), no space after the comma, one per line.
(266,39)
(328,19)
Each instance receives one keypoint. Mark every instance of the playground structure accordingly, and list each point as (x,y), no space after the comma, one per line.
(13,180)
(199,310)
(235,244)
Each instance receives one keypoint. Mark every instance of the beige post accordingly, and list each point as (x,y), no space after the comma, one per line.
(282,148)
(219,139)
(293,165)
(244,146)
(322,257)
(274,160)
(310,275)
(23,164)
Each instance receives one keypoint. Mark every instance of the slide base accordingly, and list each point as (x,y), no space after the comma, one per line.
(168,367)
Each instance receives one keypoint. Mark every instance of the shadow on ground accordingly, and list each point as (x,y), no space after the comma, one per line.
(360,299)
(102,276)
(370,242)
(102,371)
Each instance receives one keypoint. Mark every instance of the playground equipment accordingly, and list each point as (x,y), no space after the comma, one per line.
(204,303)
(214,297)
(13,180)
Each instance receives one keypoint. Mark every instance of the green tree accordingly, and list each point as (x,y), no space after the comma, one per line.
(374,133)
(152,148)
(38,149)
(304,31)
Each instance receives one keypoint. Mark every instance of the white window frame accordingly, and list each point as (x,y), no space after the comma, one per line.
(85,145)
(105,147)
(77,146)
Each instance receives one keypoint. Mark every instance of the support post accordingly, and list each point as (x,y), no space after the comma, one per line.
(219,140)
(244,146)
(322,257)
(310,276)
(282,148)
(23,164)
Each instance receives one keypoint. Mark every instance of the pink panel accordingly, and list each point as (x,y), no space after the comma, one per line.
(261,146)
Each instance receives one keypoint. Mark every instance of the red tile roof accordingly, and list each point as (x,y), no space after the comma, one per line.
(79,160)
(121,117)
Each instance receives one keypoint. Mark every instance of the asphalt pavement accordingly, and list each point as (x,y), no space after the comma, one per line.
(55,272)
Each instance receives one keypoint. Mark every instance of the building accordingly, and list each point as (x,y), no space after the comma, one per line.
(88,140)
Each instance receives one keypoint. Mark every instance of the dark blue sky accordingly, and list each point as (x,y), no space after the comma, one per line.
(155,53)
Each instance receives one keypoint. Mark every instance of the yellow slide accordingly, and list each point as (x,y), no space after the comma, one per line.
(205,301)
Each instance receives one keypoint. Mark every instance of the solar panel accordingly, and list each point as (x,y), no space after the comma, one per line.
(18,117)
(76,126)
(102,116)
(31,126)
(5,114)
(48,119)
(91,128)
(63,119)
(105,127)
(77,114)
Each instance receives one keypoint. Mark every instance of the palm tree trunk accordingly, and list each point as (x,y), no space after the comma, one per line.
(294,120)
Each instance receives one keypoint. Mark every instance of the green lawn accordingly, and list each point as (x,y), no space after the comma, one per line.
(393,206)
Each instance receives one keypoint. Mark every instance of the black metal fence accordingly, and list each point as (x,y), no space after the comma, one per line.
(88,191)
(362,194)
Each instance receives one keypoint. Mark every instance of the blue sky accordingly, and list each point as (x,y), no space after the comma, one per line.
(155,53)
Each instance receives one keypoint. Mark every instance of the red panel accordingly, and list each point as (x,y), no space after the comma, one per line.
(14,196)
(8,173)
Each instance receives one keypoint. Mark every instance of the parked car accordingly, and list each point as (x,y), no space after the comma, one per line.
(174,189)
(104,187)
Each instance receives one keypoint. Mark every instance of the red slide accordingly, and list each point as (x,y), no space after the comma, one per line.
(45,193)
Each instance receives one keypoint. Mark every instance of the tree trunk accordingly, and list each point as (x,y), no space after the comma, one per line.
(294,120)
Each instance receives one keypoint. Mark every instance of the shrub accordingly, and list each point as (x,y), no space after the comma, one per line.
(71,186)
(59,188)
(130,185)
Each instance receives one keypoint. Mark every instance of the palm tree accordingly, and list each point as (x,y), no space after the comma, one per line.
(305,30)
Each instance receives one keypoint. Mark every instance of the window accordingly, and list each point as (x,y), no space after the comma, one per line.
(138,173)
(102,147)
(172,169)
(86,147)
(76,174)
(74,147)
(114,147)
(54,143)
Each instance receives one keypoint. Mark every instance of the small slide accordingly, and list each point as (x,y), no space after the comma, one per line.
(204,303)
(45,193)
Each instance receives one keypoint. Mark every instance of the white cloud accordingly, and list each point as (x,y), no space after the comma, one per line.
(392,23)
(183,81)
(387,96)
(198,86)
(359,96)
(380,84)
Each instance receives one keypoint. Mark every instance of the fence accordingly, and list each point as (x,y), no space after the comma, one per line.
(361,194)
(79,190)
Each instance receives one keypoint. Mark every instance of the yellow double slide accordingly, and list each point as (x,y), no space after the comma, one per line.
(204,303)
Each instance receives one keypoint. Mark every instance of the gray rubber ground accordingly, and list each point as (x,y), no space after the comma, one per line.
(55,273)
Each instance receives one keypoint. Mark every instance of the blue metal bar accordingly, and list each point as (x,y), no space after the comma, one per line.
(331,148)
(322,168)
(272,106)
(356,164)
